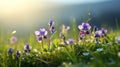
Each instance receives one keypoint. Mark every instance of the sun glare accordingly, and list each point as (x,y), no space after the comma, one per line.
(15,11)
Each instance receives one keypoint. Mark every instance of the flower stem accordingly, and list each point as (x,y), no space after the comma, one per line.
(42,44)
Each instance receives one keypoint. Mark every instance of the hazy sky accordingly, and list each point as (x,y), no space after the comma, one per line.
(75,1)
(23,9)
(24,12)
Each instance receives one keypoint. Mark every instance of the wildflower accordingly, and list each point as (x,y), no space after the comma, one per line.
(65,29)
(82,33)
(41,34)
(118,39)
(51,23)
(97,34)
(95,28)
(18,53)
(84,26)
(52,29)
(37,33)
(70,41)
(103,32)
(13,40)
(86,53)
(27,48)
(63,33)
(99,49)
(100,33)
(51,26)
(10,50)
(39,39)
(84,30)
(87,32)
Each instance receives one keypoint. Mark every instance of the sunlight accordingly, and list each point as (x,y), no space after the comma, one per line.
(16,7)
(13,11)
(18,12)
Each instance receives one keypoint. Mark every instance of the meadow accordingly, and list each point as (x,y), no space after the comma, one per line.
(80,45)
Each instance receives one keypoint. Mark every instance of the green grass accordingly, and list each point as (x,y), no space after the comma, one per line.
(62,55)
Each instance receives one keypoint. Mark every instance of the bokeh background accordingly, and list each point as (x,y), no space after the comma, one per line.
(26,16)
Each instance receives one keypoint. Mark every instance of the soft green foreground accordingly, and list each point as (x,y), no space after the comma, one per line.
(62,55)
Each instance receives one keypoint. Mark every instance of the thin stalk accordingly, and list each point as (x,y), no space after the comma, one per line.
(42,44)
(49,43)
(49,40)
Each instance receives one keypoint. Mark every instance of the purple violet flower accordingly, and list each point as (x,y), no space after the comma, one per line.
(18,53)
(51,26)
(10,50)
(97,34)
(87,32)
(82,33)
(39,38)
(37,33)
(84,26)
(51,23)
(41,34)
(52,29)
(103,32)
(95,28)
(70,41)
(27,48)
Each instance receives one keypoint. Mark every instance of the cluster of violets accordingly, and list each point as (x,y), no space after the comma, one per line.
(42,33)
(27,49)
(85,29)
